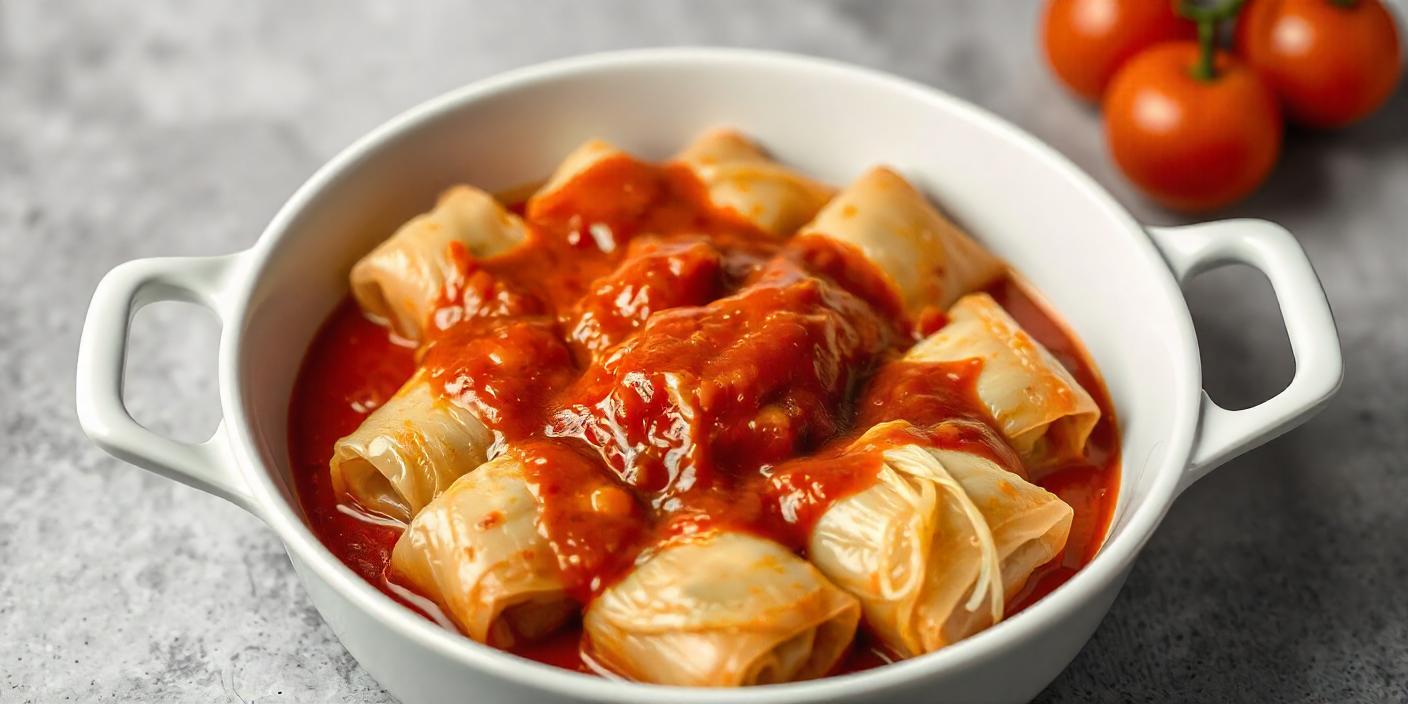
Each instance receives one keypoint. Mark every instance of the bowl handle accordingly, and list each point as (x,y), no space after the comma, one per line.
(1190,250)
(102,355)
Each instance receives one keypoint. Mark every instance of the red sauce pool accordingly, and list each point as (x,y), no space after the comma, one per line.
(551,311)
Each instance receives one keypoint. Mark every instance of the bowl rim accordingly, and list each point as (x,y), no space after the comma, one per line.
(1105,568)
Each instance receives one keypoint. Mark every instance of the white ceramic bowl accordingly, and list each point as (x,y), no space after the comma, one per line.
(1114,282)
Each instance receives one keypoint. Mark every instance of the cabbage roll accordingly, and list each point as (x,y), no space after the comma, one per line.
(403,280)
(724,609)
(408,451)
(741,178)
(1029,524)
(937,545)
(577,162)
(1040,408)
(595,189)
(928,259)
(477,553)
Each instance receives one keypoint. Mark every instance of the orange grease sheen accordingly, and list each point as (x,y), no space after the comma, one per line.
(660,367)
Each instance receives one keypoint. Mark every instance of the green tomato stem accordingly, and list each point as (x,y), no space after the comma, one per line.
(1208,18)
(1206,68)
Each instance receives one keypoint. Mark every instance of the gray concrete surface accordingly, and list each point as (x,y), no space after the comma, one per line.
(132,129)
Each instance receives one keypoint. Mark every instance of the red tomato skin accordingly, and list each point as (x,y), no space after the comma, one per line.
(1190,144)
(1086,41)
(1331,65)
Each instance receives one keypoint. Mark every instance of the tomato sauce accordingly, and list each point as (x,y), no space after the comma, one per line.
(661,368)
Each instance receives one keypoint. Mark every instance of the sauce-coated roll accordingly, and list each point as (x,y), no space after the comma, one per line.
(946,534)
(722,610)
(404,279)
(408,451)
(930,261)
(577,162)
(477,553)
(1041,409)
(741,178)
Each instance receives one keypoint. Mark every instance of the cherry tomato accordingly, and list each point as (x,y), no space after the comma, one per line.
(1192,143)
(1086,41)
(1332,62)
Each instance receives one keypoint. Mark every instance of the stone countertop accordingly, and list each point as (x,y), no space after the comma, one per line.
(164,128)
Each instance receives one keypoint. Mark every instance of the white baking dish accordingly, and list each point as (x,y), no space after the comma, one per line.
(1114,282)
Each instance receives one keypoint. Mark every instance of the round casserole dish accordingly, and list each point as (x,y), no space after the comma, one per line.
(1112,281)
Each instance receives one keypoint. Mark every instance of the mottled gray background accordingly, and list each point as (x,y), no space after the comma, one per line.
(133,129)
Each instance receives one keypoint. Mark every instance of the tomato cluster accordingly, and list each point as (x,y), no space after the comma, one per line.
(1197,127)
